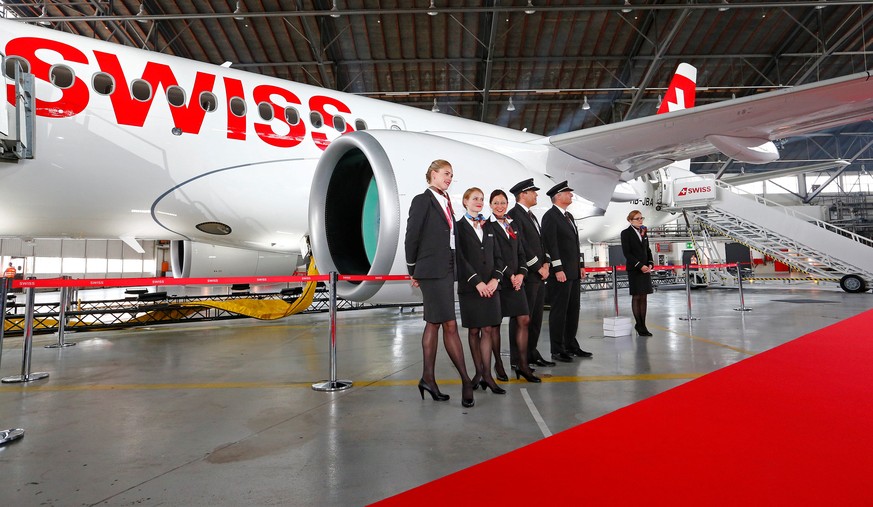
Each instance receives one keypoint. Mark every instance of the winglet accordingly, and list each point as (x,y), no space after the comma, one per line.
(680,94)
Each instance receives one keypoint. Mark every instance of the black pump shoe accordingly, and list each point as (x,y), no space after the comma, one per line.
(496,389)
(434,392)
(530,377)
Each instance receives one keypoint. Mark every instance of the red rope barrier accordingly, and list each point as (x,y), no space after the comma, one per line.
(54,283)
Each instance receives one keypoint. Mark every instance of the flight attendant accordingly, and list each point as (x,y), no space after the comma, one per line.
(513,302)
(561,238)
(639,262)
(480,269)
(430,259)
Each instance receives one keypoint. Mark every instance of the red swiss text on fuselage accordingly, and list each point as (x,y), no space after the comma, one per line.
(189,118)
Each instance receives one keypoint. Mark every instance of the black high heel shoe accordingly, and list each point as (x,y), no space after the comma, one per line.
(477,379)
(434,392)
(500,373)
(496,389)
(467,402)
(529,376)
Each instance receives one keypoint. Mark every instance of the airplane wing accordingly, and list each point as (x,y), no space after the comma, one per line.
(742,128)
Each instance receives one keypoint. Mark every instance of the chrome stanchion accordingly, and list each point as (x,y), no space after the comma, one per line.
(688,315)
(26,375)
(5,285)
(63,305)
(333,384)
(10,435)
(742,307)
(615,290)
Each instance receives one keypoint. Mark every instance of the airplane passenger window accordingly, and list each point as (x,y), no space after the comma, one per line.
(176,96)
(315,119)
(339,123)
(141,90)
(103,83)
(61,76)
(208,101)
(292,116)
(360,124)
(265,110)
(238,106)
(11,63)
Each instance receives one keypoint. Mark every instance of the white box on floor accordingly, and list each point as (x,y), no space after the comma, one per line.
(617,326)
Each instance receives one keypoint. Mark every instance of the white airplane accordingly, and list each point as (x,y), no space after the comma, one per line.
(132,144)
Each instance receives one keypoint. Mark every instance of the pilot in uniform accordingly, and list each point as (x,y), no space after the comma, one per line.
(537,262)
(561,238)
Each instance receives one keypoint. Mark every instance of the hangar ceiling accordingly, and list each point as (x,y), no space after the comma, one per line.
(481,59)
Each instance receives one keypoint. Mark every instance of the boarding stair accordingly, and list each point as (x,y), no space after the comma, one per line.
(707,254)
(800,241)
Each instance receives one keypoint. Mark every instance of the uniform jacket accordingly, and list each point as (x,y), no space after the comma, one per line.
(511,251)
(562,244)
(478,261)
(428,254)
(636,253)
(531,241)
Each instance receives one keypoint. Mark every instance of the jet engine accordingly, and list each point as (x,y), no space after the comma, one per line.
(360,197)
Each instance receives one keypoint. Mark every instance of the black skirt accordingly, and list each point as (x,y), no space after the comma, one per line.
(513,302)
(438,296)
(639,283)
(477,311)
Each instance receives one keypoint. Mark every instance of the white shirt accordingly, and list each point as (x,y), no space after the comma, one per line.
(444,203)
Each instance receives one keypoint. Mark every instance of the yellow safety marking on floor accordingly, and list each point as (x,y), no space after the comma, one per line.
(708,341)
(308,385)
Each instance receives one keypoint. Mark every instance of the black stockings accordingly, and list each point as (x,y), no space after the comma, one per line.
(452,343)
(638,306)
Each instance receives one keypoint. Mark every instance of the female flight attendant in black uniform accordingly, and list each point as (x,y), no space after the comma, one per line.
(513,302)
(480,269)
(639,262)
(430,259)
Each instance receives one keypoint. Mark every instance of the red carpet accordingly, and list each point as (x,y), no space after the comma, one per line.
(790,426)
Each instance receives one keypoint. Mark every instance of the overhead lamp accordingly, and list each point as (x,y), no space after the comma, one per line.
(435,107)
(43,21)
(530,8)
(627,7)
(821,5)
(142,12)
(511,106)
(237,11)
(431,9)
(585,105)
(334,12)
(725,6)
(659,101)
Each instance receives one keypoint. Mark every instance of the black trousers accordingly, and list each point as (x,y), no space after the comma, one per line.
(535,291)
(564,300)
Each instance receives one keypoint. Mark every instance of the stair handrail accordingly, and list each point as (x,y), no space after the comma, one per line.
(796,214)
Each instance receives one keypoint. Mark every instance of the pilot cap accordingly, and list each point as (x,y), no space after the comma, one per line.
(560,187)
(523,186)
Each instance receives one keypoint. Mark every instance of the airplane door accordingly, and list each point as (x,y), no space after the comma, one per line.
(394,123)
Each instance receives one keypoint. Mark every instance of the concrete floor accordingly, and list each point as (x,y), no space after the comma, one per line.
(222,413)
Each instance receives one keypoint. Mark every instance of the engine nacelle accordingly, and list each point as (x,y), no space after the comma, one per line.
(360,197)
(190,259)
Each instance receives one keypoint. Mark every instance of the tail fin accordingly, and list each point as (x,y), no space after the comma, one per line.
(680,94)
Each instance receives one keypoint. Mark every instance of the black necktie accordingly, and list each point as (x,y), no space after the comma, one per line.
(534,218)
(570,219)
